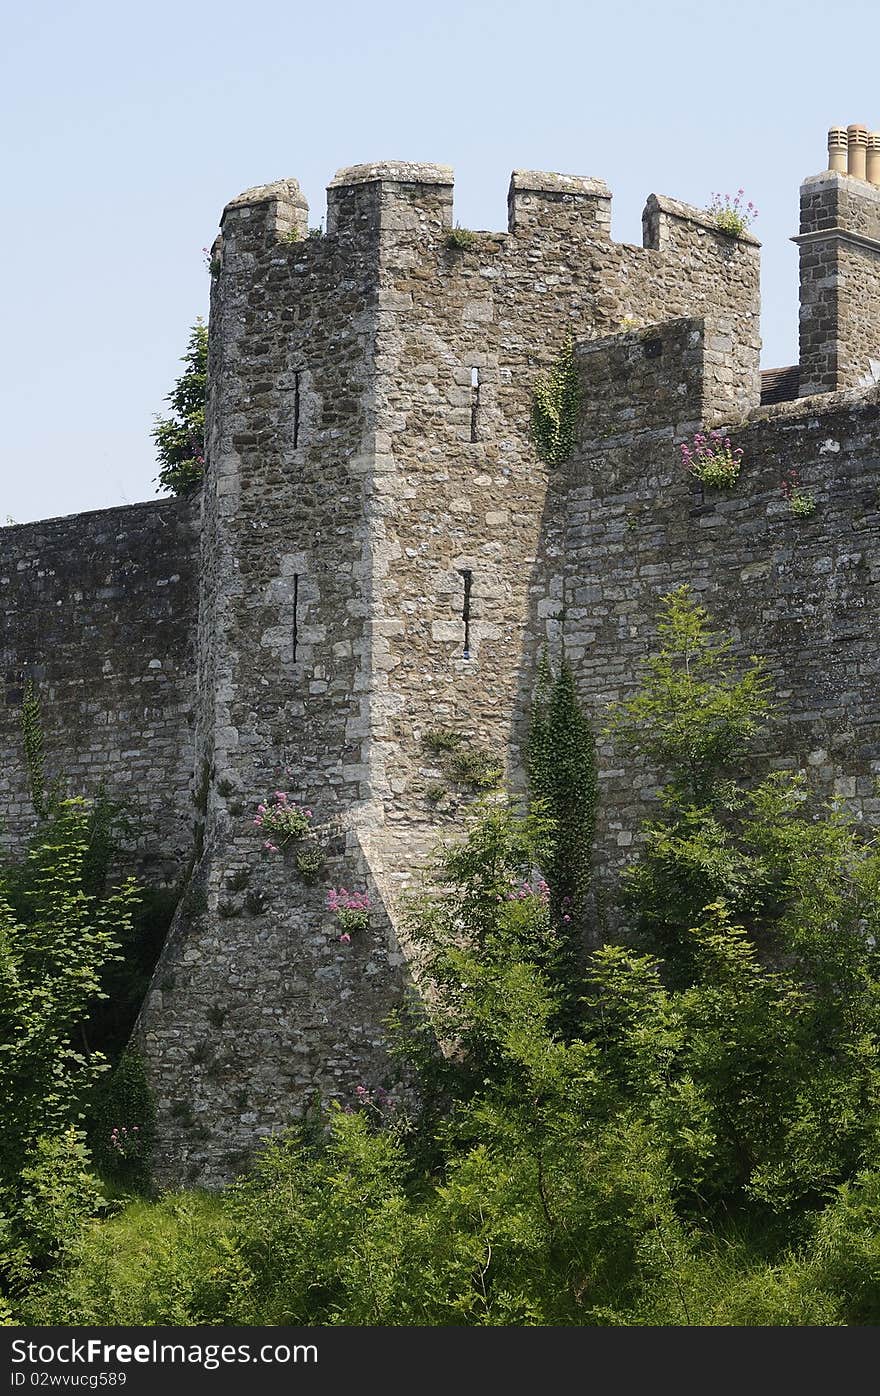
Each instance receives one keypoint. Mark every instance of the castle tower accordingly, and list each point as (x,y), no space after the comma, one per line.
(377,563)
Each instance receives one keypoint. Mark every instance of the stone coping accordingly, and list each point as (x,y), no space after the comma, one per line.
(547,182)
(286,189)
(393,172)
(863,187)
(661,203)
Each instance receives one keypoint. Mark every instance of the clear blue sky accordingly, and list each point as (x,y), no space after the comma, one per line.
(128,127)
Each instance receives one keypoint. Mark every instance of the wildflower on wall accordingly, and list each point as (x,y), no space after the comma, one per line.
(732,215)
(711,458)
(352,911)
(282,821)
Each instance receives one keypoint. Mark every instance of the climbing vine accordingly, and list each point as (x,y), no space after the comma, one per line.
(31,719)
(555,408)
(562,777)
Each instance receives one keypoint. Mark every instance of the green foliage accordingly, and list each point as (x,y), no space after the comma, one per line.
(53,948)
(693,715)
(475,768)
(463,762)
(310,863)
(698,1146)
(802,503)
(31,719)
(180,437)
(44,1215)
(56,936)
(122,1123)
(563,780)
(556,407)
(165,1262)
(458,239)
(441,740)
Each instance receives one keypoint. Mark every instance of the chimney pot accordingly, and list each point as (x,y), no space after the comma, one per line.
(873,158)
(857,151)
(837,148)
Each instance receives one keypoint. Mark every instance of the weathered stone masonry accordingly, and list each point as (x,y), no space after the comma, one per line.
(99,612)
(370,447)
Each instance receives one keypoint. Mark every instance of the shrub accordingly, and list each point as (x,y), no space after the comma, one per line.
(458,239)
(801,501)
(352,911)
(475,768)
(122,1123)
(180,437)
(167,1262)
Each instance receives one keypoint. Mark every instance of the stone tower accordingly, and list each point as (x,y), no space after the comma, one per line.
(375,564)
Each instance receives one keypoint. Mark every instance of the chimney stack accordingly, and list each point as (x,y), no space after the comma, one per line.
(839,243)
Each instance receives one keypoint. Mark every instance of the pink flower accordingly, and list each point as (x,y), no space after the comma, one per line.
(345,938)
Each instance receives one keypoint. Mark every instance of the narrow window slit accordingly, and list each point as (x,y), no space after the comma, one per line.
(295,613)
(296,408)
(468,577)
(475,402)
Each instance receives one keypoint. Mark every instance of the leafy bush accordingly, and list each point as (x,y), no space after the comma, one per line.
(45,1209)
(180,437)
(165,1262)
(122,1123)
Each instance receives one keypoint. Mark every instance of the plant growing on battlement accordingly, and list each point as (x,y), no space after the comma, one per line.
(282,822)
(458,238)
(801,501)
(352,911)
(180,437)
(731,215)
(711,458)
(555,408)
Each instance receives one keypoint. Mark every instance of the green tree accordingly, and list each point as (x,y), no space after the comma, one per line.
(751,1032)
(54,944)
(180,437)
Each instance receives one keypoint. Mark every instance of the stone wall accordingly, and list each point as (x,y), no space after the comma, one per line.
(99,613)
(801,591)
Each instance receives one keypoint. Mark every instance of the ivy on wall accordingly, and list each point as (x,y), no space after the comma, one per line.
(555,408)
(563,779)
(31,719)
